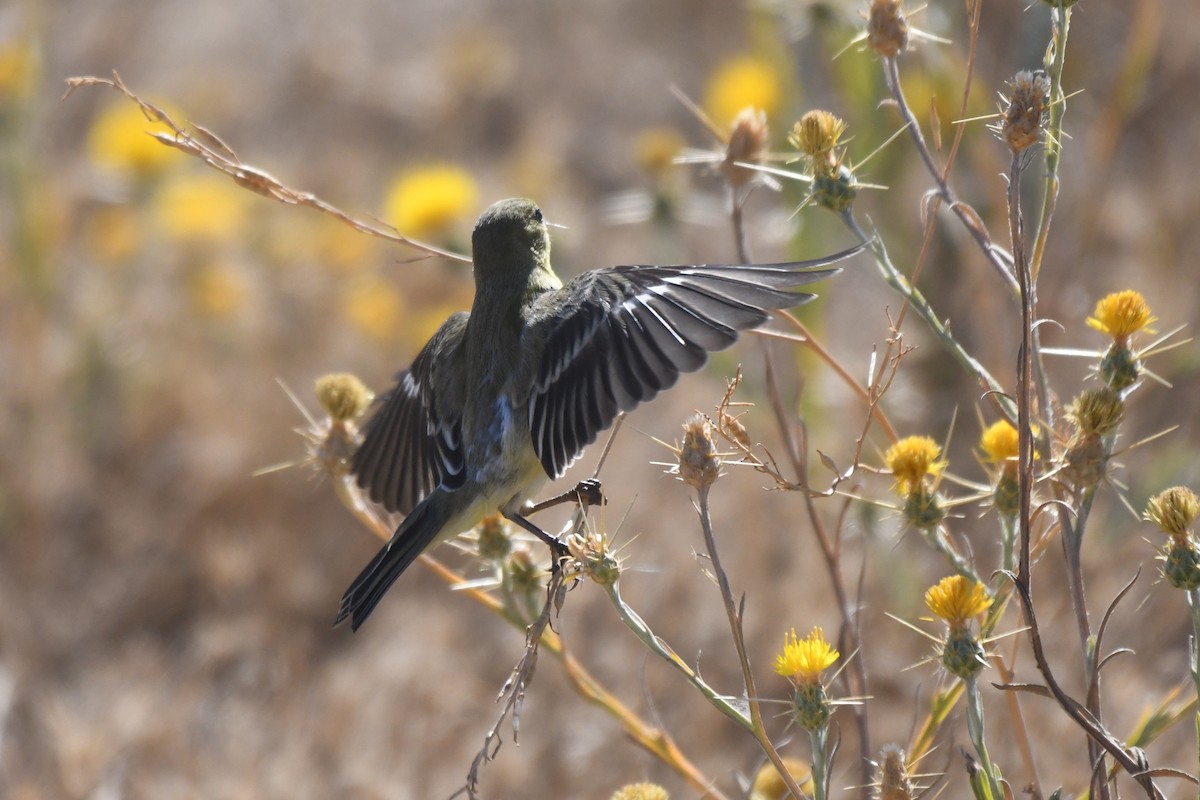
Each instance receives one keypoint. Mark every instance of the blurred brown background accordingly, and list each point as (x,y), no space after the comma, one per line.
(164,615)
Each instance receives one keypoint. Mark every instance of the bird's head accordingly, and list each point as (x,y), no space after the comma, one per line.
(511,239)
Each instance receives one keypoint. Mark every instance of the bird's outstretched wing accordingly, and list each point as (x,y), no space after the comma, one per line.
(616,337)
(413,443)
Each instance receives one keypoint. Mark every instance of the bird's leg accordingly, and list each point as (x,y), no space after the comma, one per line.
(558,550)
(586,493)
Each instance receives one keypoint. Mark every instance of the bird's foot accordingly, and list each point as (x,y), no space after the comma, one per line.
(586,493)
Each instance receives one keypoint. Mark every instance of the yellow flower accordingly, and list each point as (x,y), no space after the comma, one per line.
(1121,315)
(217,290)
(817,133)
(957,599)
(428,201)
(18,69)
(805,659)
(374,307)
(768,783)
(120,139)
(911,459)
(202,207)
(739,83)
(999,442)
(655,149)
(1174,510)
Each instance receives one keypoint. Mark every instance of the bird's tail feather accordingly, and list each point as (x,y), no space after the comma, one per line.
(416,532)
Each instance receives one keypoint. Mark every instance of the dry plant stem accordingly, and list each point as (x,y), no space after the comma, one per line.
(1020,731)
(850,638)
(1078,714)
(207,147)
(651,738)
(739,642)
(967,215)
(918,303)
(1060,26)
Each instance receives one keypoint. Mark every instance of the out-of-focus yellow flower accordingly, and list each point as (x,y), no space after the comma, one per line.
(120,139)
(655,149)
(427,201)
(217,290)
(957,599)
(202,207)
(343,396)
(18,69)
(113,234)
(738,83)
(374,307)
(911,459)
(768,783)
(803,660)
(1122,314)
(999,442)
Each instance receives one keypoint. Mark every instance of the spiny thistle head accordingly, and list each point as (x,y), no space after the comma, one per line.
(892,781)
(343,396)
(640,791)
(1174,510)
(1025,116)
(1097,411)
(836,189)
(495,542)
(595,558)
(887,28)
(957,600)
(699,463)
(1000,442)
(817,135)
(747,145)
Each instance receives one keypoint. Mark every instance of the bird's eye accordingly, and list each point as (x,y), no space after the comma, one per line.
(537,214)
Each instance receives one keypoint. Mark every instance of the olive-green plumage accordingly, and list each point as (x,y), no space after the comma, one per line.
(504,397)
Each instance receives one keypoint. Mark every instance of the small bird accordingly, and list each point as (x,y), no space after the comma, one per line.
(509,395)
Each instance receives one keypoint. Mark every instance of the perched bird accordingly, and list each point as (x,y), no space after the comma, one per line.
(506,396)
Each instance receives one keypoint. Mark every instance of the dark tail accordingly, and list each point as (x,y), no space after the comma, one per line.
(416,532)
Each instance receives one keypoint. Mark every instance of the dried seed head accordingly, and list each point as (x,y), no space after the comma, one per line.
(640,791)
(1028,107)
(887,28)
(594,558)
(494,543)
(1097,411)
(699,464)
(817,135)
(892,775)
(747,145)
(1174,510)
(343,396)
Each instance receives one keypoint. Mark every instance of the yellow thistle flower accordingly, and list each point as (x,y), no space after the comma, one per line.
(999,442)
(428,201)
(957,599)
(18,70)
(818,133)
(120,139)
(740,82)
(202,207)
(1174,510)
(1122,314)
(805,659)
(911,459)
